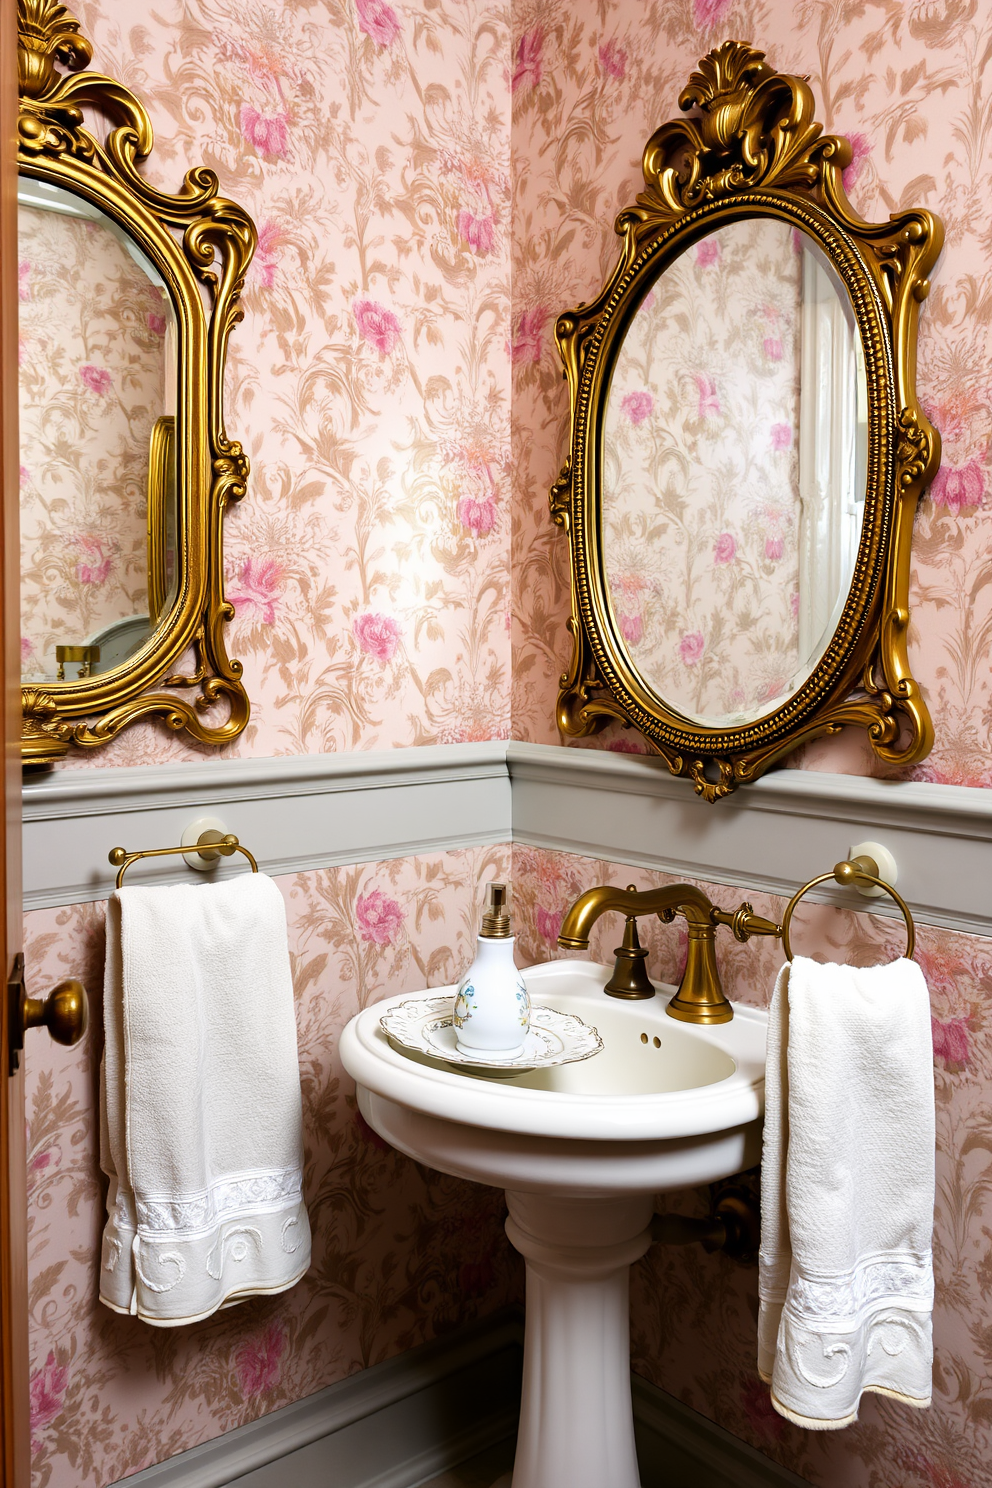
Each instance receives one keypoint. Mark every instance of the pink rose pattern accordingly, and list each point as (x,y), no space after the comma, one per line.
(378,918)
(710,537)
(256,588)
(377,325)
(257,1362)
(478,232)
(613,60)
(631,628)
(478,516)
(269,134)
(527,72)
(377,635)
(378,20)
(526,344)
(97,379)
(637,406)
(691,647)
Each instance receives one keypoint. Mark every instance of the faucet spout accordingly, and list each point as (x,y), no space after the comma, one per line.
(700,996)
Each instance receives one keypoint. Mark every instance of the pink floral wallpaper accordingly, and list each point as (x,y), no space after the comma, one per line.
(694,1316)
(907,83)
(370,378)
(400,1253)
(701,474)
(405,418)
(93,352)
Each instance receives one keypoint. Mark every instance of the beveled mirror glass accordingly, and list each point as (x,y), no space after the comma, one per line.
(734,469)
(127,298)
(746,447)
(97,382)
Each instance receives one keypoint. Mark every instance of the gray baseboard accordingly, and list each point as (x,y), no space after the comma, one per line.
(392,1426)
(403,1422)
(679,1448)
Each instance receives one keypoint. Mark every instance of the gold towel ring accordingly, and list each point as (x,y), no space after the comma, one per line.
(849,873)
(210,845)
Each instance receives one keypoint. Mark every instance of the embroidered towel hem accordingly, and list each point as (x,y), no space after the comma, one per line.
(845,1267)
(201,1111)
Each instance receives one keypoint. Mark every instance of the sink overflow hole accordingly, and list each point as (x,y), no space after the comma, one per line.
(656,1040)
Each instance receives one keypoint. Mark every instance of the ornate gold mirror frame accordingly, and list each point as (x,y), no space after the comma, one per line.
(753,149)
(215,249)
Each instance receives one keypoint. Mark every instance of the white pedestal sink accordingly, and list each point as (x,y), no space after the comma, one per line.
(581,1150)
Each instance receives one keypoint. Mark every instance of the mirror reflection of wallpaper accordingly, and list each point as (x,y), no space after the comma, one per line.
(700,475)
(93,330)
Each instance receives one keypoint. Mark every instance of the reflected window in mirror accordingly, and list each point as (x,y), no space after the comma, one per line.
(734,470)
(97,379)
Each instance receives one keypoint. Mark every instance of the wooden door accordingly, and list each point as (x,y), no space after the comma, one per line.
(14,1416)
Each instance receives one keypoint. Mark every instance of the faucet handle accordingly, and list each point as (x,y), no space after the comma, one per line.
(744,922)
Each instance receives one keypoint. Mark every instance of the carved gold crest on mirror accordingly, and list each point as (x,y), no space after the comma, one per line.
(747,449)
(128,296)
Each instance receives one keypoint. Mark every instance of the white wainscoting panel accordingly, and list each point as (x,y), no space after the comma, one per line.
(321,810)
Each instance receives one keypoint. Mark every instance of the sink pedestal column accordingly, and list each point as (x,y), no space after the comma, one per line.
(576,1418)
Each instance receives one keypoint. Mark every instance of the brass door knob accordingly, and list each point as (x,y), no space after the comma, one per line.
(64,1012)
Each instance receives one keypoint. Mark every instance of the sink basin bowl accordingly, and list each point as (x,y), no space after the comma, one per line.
(665,1105)
(581,1150)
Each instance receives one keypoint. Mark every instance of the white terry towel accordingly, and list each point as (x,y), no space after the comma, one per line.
(847,1191)
(201,1129)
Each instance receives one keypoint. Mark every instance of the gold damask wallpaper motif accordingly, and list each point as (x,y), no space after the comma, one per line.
(92,355)
(401,1253)
(908,81)
(370,377)
(373,144)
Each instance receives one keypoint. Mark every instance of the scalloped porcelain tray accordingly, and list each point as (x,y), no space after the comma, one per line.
(423,1027)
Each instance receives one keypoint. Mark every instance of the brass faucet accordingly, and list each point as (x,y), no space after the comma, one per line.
(700,997)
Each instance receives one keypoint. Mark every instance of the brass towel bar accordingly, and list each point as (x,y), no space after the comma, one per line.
(853,873)
(209,845)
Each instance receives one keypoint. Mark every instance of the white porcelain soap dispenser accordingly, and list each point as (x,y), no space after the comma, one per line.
(492,1008)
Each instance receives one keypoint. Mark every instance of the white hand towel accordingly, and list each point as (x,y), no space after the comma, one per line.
(201,1116)
(847,1191)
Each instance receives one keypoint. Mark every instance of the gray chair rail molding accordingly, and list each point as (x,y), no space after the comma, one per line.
(298,813)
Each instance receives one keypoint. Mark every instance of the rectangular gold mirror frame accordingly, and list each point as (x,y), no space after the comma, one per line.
(751,147)
(216,247)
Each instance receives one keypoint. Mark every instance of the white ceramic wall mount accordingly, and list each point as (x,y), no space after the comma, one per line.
(887,866)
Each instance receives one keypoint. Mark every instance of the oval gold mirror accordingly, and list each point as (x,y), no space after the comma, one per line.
(747,449)
(127,299)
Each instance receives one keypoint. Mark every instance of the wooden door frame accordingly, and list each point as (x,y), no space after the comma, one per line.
(15,1452)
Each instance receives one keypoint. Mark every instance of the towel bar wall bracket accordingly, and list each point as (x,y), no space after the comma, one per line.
(210,844)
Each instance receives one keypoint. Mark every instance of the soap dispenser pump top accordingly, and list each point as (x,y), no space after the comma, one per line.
(492,1009)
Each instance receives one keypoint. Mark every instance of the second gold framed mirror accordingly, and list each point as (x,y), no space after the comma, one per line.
(747,449)
(128,299)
